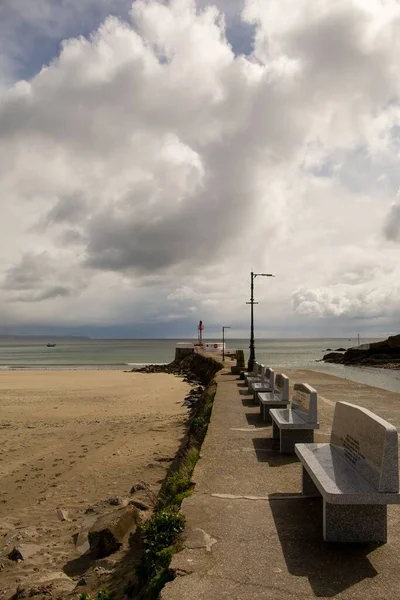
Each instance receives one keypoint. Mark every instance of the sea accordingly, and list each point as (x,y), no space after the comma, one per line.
(126,354)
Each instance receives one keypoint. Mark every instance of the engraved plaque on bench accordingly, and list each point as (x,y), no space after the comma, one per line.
(304,402)
(368,443)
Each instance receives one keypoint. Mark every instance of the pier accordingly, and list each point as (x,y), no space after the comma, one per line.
(249,532)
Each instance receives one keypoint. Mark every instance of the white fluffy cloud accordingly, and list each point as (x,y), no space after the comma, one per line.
(149,167)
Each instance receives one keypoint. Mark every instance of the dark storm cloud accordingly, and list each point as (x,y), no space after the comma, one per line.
(38,277)
(46,294)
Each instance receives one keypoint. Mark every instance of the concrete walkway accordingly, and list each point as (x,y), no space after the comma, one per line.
(249,533)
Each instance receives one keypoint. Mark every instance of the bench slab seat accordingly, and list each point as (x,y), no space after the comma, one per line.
(290,429)
(336,480)
(261,387)
(356,474)
(252,381)
(287,418)
(268,401)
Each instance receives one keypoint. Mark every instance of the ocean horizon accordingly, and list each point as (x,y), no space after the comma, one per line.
(127,354)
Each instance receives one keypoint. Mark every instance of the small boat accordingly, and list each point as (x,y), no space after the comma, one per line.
(51,345)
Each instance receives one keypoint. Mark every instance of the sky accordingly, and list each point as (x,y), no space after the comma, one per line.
(154,154)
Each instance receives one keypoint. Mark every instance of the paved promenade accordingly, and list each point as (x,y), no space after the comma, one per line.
(249,534)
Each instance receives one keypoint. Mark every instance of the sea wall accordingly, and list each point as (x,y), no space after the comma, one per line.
(158,536)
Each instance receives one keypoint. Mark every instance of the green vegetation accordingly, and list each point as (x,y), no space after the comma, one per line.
(158,537)
(159,534)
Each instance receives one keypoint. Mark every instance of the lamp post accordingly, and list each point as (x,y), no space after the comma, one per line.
(223,341)
(252,356)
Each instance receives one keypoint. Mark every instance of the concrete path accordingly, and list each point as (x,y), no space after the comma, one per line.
(249,533)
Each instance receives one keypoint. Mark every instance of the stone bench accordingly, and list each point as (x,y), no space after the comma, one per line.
(278,398)
(256,372)
(297,422)
(265,384)
(356,474)
(260,375)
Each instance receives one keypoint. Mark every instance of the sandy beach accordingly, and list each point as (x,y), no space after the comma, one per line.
(70,440)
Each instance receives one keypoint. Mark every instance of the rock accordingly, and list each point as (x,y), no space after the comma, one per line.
(114,500)
(108,532)
(15,555)
(138,487)
(340,350)
(23,552)
(334,357)
(20,593)
(379,354)
(63,515)
(44,590)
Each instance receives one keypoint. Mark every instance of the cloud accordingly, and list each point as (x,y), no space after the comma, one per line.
(344,300)
(42,277)
(150,165)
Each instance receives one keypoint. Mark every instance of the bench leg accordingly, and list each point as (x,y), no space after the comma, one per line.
(296,436)
(307,485)
(355,523)
(275,431)
(266,416)
(256,400)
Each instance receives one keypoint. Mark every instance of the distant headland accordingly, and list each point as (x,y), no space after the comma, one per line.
(385,354)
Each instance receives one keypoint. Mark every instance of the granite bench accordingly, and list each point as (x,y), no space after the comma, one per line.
(266,384)
(278,398)
(260,375)
(356,474)
(256,372)
(297,422)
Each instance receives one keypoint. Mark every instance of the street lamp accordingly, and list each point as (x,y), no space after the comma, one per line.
(252,356)
(223,341)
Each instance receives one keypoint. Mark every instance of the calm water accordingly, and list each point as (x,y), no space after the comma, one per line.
(125,354)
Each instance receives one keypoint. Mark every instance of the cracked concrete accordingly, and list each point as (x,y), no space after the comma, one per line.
(267,538)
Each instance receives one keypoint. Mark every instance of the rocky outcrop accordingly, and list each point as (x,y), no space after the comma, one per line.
(385,354)
(195,368)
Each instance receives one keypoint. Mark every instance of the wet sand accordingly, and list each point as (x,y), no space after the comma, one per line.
(72,439)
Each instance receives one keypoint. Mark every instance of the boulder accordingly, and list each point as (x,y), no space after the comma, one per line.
(108,532)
